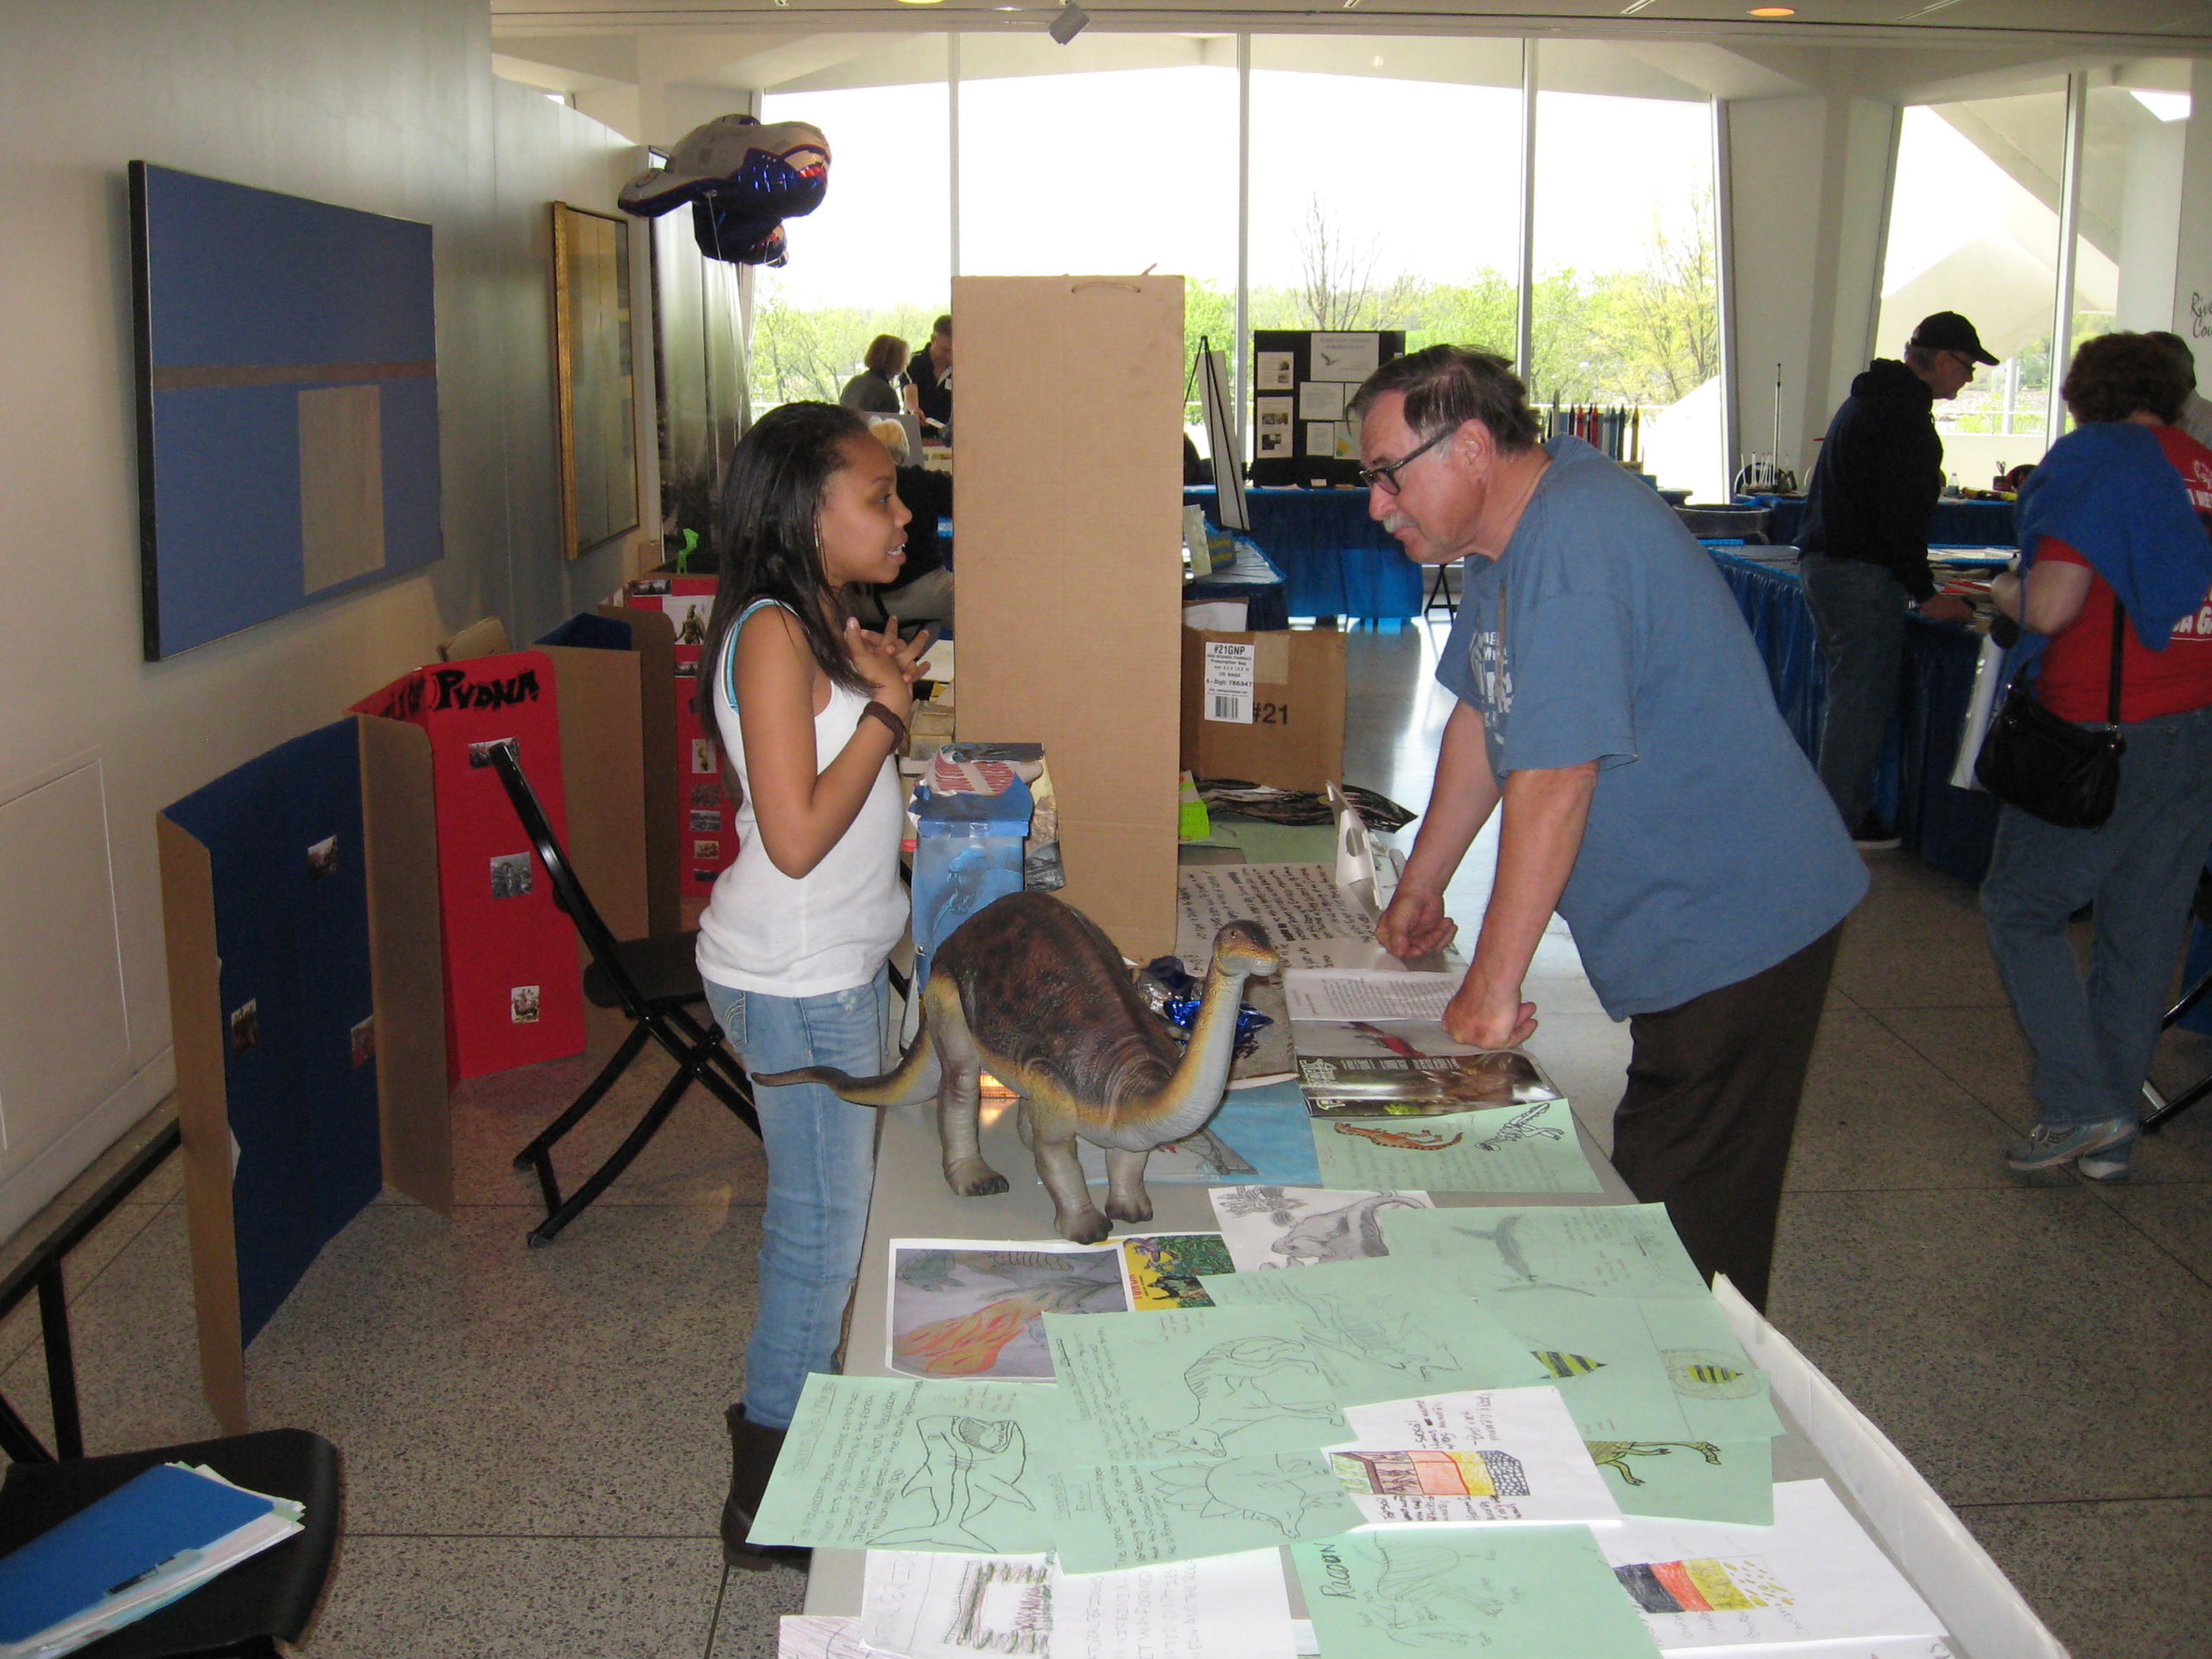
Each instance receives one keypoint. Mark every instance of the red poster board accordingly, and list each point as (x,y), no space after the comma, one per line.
(514,994)
(706,825)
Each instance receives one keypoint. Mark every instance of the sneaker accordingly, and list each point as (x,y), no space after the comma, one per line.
(2050,1145)
(2109,1166)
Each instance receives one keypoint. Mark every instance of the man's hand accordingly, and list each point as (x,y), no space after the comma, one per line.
(1414,925)
(1489,1018)
(1947,607)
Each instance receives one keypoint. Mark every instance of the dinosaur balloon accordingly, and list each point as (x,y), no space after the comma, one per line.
(742,179)
(1030,989)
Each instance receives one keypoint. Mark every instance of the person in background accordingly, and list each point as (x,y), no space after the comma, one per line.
(875,389)
(2195,417)
(810,708)
(1612,705)
(928,381)
(2117,509)
(1864,548)
(922,589)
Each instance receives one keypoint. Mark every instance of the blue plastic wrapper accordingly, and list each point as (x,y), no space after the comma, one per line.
(1184,994)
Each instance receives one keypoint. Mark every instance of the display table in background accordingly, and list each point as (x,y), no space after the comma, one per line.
(1958,524)
(1252,580)
(1951,829)
(1335,560)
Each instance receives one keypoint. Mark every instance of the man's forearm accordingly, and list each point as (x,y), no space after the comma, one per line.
(1545,813)
(1459,804)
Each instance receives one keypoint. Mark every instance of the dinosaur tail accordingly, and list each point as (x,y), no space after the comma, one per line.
(913,1080)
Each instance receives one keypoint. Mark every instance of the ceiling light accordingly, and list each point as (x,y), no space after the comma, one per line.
(1774,11)
(1071,21)
(2167,106)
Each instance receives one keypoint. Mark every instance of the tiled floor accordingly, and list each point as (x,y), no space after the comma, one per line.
(532,1437)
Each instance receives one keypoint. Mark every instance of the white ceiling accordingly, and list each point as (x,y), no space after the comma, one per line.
(653,68)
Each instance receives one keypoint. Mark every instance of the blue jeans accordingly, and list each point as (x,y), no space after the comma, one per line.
(1860,609)
(820,1165)
(2093,1039)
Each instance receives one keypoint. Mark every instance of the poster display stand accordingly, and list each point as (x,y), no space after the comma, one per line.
(1301,381)
(705,835)
(514,990)
(305,996)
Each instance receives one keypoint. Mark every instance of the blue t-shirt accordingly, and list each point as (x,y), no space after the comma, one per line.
(1712,851)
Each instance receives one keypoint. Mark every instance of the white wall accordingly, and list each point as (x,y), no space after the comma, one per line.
(387,105)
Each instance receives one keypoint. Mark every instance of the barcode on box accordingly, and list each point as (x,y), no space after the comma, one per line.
(1228,682)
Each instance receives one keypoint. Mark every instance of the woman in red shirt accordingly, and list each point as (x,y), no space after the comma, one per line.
(2110,527)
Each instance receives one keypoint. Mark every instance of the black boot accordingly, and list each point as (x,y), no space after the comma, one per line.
(753,1452)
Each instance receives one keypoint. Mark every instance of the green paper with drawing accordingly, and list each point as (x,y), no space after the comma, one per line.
(1124,1515)
(1656,1370)
(1511,1150)
(1213,1383)
(883,1463)
(1385,1329)
(1627,1250)
(1516,1593)
(1727,1481)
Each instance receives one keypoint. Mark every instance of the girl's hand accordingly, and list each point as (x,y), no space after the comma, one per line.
(888,665)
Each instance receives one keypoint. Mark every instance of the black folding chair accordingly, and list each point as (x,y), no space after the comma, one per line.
(656,981)
(257,1608)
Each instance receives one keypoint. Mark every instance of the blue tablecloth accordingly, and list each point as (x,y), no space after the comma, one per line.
(1951,829)
(1335,560)
(1956,523)
(1255,580)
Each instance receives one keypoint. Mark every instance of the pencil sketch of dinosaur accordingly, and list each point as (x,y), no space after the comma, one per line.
(1279,1490)
(1393,1341)
(969,1464)
(1614,1454)
(1032,990)
(1253,1380)
(1522,1127)
(1421,1607)
(1345,1234)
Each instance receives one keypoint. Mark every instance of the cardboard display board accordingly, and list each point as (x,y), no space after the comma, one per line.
(705,835)
(1070,572)
(653,637)
(299,1092)
(514,994)
(1268,708)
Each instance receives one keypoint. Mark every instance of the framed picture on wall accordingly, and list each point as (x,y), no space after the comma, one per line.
(591,372)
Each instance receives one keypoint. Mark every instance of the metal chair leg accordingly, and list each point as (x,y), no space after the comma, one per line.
(617,1161)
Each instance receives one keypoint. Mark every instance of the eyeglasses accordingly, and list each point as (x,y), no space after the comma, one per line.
(1388,476)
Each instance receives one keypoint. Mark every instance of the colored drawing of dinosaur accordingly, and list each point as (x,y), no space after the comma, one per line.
(1412,1140)
(1032,990)
(1277,1489)
(1234,1384)
(1345,1234)
(969,1464)
(1614,1454)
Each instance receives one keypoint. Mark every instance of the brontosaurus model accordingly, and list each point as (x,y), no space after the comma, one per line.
(1032,990)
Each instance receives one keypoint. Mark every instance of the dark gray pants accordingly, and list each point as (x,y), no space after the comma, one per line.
(1860,609)
(1712,1101)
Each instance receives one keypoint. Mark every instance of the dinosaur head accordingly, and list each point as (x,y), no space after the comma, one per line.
(1241,948)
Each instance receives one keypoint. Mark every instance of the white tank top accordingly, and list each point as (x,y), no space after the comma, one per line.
(832,928)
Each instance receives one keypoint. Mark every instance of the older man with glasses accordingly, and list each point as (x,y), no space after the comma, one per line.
(1864,549)
(1610,699)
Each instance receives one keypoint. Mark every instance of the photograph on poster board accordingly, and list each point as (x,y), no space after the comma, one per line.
(1273,371)
(361,1042)
(322,858)
(523,1005)
(702,756)
(706,849)
(1275,426)
(480,754)
(511,876)
(245,1027)
(707,824)
(707,797)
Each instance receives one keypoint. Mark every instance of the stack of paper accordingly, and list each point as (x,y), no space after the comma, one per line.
(148,1543)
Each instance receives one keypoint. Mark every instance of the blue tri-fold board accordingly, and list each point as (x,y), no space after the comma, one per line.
(287,403)
(283,835)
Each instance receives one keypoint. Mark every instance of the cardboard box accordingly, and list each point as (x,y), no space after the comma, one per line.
(1069,500)
(1268,708)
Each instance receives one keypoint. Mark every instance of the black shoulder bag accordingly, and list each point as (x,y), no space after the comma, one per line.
(2065,774)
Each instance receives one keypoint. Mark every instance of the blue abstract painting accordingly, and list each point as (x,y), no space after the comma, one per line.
(287,403)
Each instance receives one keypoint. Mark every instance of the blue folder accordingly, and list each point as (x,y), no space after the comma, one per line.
(110,1544)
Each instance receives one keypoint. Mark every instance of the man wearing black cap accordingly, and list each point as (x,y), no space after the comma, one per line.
(1864,548)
